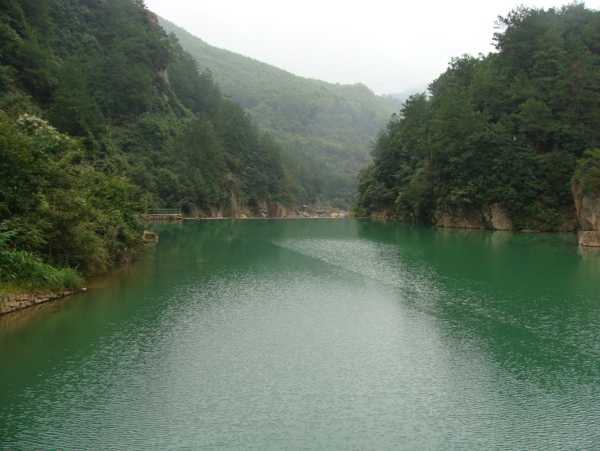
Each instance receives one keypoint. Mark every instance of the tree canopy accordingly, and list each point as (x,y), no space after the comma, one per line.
(102,115)
(505,128)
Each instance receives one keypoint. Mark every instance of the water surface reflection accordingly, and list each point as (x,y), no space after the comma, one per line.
(317,334)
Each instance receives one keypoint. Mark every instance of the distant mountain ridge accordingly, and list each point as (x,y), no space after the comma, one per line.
(323,127)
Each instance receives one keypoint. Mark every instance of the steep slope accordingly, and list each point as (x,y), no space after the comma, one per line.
(325,129)
(101,115)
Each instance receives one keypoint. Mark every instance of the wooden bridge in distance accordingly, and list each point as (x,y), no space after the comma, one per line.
(163,214)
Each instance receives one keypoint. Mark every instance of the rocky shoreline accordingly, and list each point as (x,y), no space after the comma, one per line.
(583,219)
(18,301)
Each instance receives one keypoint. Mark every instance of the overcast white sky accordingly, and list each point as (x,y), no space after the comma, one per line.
(387,45)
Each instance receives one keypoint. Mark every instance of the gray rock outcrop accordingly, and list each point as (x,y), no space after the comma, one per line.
(589,238)
(494,218)
(587,208)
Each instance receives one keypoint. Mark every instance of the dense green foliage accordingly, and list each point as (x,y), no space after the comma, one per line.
(505,129)
(102,115)
(588,171)
(56,206)
(22,270)
(325,129)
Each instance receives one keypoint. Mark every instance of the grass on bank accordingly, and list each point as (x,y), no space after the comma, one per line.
(21,271)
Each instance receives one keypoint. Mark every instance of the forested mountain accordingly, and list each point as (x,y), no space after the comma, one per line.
(500,137)
(325,129)
(103,115)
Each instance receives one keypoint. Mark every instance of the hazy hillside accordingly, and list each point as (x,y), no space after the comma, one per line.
(101,116)
(327,126)
(396,99)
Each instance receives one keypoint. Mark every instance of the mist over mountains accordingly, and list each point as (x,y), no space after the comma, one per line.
(325,129)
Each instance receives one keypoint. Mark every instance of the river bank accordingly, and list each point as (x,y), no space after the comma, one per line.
(12,302)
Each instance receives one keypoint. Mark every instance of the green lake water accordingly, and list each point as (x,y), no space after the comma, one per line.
(315,334)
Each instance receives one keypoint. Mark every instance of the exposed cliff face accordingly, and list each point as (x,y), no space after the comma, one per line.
(234,210)
(276,210)
(495,218)
(462,218)
(587,208)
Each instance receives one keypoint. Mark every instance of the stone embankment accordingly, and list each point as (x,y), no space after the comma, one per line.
(163,217)
(17,301)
